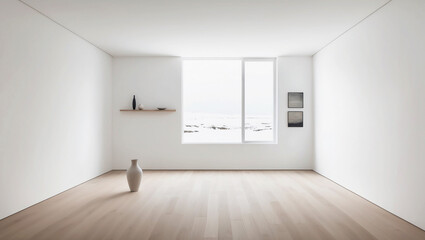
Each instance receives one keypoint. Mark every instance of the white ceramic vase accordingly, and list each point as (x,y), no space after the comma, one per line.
(140,106)
(134,176)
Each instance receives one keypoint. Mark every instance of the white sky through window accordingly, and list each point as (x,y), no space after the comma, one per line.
(212,101)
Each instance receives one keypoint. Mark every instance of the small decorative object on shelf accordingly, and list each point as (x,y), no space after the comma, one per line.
(134,176)
(134,102)
(149,110)
(161,108)
(140,107)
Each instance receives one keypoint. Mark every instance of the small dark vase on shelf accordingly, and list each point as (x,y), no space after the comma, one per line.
(134,102)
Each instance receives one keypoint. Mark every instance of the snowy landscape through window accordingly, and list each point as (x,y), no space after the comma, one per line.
(229,101)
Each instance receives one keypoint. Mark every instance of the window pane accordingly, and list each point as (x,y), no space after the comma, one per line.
(259,100)
(212,101)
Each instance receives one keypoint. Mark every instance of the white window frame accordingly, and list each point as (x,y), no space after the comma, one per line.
(275,102)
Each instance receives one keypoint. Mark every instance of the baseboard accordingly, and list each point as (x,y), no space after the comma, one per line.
(106,172)
(368,200)
(217,169)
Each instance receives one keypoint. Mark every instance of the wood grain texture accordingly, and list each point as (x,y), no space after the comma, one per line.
(208,205)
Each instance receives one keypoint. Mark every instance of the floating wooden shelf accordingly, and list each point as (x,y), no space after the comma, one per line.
(148,110)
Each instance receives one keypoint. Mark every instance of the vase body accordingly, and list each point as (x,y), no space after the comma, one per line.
(134,102)
(134,176)
(140,107)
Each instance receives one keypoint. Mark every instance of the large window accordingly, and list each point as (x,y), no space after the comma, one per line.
(229,101)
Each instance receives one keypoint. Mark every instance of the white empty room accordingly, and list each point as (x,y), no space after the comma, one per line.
(137,119)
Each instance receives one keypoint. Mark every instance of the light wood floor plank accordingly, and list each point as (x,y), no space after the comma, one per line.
(289,205)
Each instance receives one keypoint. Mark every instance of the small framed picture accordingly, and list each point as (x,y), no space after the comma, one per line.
(295,100)
(295,119)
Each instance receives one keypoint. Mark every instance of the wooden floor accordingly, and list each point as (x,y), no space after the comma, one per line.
(208,205)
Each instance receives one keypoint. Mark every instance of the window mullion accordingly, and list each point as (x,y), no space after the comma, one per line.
(243,101)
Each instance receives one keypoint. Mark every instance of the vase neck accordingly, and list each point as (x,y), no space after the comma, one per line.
(134,162)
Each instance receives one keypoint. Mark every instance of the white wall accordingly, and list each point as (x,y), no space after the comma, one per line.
(55,106)
(370,109)
(155,137)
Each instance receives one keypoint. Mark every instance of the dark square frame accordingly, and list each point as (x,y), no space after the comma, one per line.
(296,93)
(296,125)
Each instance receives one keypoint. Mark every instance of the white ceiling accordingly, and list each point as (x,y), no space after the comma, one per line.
(208,28)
